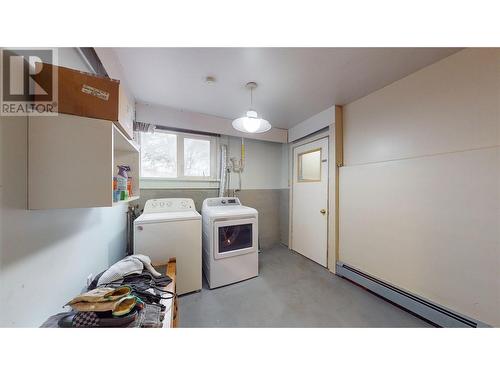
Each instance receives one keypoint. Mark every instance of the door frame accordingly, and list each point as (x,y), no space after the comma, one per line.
(335,160)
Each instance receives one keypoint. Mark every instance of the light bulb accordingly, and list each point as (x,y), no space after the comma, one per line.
(251,125)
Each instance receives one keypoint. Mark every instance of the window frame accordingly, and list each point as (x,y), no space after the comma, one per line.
(180,158)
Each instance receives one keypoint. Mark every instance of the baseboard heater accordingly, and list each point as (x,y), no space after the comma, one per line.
(428,310)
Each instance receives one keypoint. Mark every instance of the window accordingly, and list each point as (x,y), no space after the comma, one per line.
(309,165)
(159,155)
(196,157)
(169,155)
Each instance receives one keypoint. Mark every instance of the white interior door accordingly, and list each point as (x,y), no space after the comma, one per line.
(310,200)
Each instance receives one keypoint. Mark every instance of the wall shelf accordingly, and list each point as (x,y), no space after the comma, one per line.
(122,143)
(72,161)
(130,199)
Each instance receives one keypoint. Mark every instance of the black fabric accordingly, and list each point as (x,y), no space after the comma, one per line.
(94,282)
(86,319)
(91,319)
(141,283)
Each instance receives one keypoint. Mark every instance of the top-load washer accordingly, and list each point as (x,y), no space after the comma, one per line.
(230,241)
(171,227)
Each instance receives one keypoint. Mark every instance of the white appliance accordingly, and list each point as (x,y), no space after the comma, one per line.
(230,241)
(171,227)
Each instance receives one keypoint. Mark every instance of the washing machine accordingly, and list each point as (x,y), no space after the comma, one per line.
(230,241)
(171,227)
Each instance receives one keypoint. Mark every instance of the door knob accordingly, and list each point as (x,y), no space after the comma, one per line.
(323,211)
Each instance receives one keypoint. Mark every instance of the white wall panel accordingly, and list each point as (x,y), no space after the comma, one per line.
(430,225)
(420,192)
(451,105)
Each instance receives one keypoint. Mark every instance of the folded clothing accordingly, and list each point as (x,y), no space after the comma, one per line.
(118,301)
(118,307)
(131,265)
(102,294)
(150,317)
(129,289)
(150,291)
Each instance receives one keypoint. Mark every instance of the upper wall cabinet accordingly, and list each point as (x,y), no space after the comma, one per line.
(72,161)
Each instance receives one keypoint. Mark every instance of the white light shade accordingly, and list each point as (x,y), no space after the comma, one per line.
(251,123)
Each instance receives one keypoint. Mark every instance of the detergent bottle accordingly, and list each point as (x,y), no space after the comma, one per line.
(122,178)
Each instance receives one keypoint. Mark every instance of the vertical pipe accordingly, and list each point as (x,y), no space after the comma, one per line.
(223,170)
(242,162)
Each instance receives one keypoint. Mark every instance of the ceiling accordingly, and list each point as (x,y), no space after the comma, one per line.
(294,83)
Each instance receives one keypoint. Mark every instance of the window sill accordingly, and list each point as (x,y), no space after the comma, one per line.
(166,183)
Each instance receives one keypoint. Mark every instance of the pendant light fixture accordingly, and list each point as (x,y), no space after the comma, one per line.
(251,123)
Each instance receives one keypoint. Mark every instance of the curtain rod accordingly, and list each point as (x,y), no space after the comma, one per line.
(180,130)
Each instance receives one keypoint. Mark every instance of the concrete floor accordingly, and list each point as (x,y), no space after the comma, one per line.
(291,291)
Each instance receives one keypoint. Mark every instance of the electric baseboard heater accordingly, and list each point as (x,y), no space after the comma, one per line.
(428,310)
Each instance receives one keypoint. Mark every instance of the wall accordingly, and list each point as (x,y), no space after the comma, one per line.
(420,190)
(313,124)
(264,182)
(46,255)
(181,119)
(262,185)
(263,164)
(284,195)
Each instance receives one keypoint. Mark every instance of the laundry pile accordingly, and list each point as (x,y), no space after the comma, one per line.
(103,307)
(128,294)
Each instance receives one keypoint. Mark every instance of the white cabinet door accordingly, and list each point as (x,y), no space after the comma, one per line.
(69,162)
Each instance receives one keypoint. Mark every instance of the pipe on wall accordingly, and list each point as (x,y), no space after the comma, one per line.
(223,170)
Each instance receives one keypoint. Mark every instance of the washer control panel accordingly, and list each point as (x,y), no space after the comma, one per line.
(224,201)
(169,205)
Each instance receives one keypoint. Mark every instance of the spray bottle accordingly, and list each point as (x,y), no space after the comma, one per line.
(121,180)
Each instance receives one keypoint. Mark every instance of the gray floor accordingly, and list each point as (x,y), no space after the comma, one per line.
(291,291)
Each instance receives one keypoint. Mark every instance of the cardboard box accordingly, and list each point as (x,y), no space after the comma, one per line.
(78,93)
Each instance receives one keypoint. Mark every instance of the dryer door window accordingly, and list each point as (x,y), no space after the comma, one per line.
(235,237)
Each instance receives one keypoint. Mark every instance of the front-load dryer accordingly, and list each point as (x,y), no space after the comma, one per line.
(230,241)
(171,227)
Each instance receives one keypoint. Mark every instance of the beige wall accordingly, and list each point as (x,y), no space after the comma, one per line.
(264,185)
(266,201)
(420,190)
(263,164)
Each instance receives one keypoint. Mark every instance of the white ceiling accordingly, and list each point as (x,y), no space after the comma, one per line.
(294,83)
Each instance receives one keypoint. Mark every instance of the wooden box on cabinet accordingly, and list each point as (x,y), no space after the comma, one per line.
(72,161)
(80,93)
(88,95)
